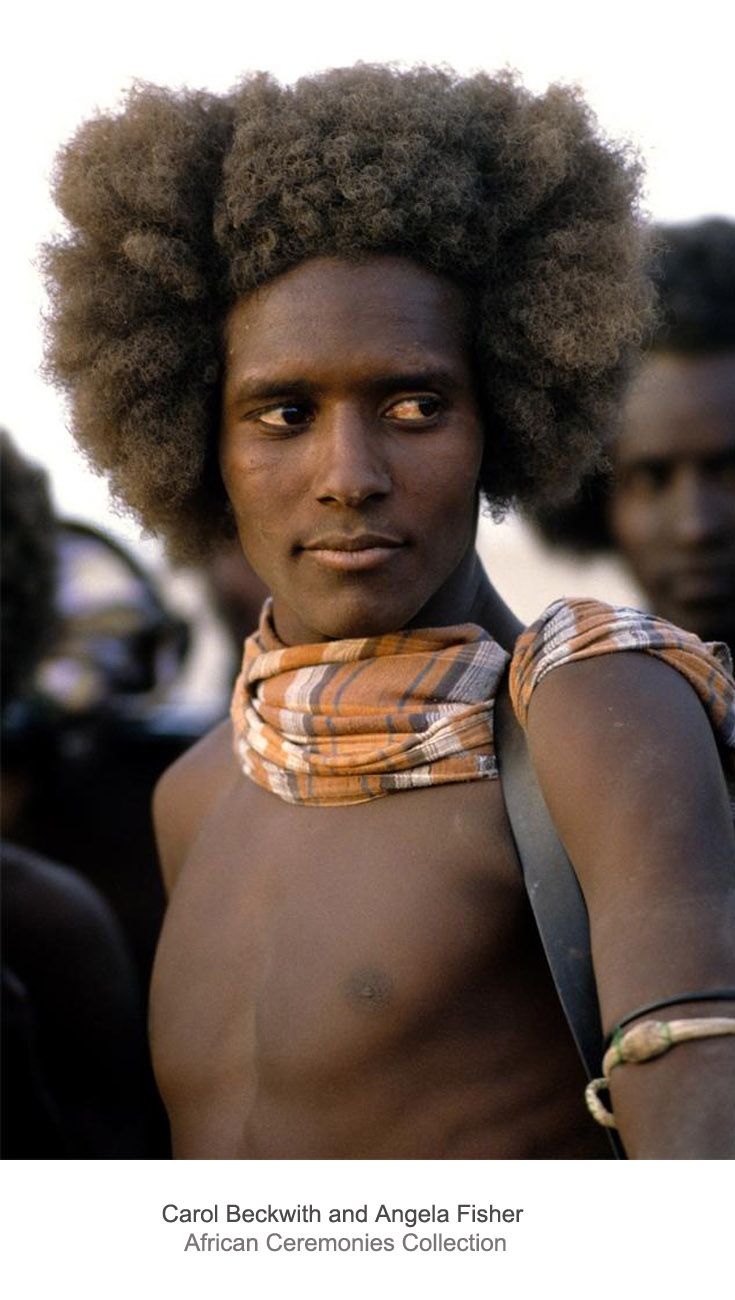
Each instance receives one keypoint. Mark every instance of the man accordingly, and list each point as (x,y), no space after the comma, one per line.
(332,315)
(669,507)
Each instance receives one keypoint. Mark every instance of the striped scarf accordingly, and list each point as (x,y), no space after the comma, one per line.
(342,722)
(348,721)
(574,629)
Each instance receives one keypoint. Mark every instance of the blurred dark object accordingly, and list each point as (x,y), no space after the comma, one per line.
(92,808)
(29,625)
(74,1053)
(666,503)
(96,733)
(28,573)
(88,805)
(76,1076)
(118,642)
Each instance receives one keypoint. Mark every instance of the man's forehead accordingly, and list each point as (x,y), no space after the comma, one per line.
(381,303)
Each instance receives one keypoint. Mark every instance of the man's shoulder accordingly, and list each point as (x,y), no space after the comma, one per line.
(629,766)
(574,631)
(186,793)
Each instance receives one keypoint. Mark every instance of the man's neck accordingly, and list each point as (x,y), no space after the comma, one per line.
(470,597)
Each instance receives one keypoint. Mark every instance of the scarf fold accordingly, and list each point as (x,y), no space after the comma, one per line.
(342,722)
(576,628)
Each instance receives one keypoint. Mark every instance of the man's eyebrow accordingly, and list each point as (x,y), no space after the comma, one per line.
(261,388)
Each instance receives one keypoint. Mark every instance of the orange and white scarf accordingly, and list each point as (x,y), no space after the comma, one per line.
(346,721)
(342,722)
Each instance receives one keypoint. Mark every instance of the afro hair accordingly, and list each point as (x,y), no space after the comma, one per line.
(184,202)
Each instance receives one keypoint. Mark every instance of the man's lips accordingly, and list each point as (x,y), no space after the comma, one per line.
(352,553)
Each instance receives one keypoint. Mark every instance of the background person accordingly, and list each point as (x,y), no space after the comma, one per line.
(98,733)
(668,503)
(73,1042)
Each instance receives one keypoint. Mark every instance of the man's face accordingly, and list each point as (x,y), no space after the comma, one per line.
(351,443)
(673,508)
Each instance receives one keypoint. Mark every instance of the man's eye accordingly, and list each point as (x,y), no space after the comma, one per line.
(414,410)
(290,415)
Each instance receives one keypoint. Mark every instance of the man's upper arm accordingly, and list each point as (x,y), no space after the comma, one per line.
(630,770)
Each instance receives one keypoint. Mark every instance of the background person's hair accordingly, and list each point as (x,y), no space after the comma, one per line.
(692,268)
(694,275)
(28,573)
(186,201)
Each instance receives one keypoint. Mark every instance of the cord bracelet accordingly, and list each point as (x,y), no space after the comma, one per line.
(644,1042)
(712,995)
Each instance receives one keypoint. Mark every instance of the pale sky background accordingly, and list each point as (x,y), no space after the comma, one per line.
(657,73)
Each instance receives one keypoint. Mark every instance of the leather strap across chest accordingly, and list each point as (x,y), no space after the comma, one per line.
(553,892)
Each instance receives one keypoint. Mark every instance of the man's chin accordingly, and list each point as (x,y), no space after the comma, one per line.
(342,620)
(350,627)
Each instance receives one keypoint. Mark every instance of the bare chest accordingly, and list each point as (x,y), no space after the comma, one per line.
(324,933)
(358,982)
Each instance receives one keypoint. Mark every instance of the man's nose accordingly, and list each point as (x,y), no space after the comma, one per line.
(352,465)
(697,505)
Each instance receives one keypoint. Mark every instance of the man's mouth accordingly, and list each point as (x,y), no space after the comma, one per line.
(352,552)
